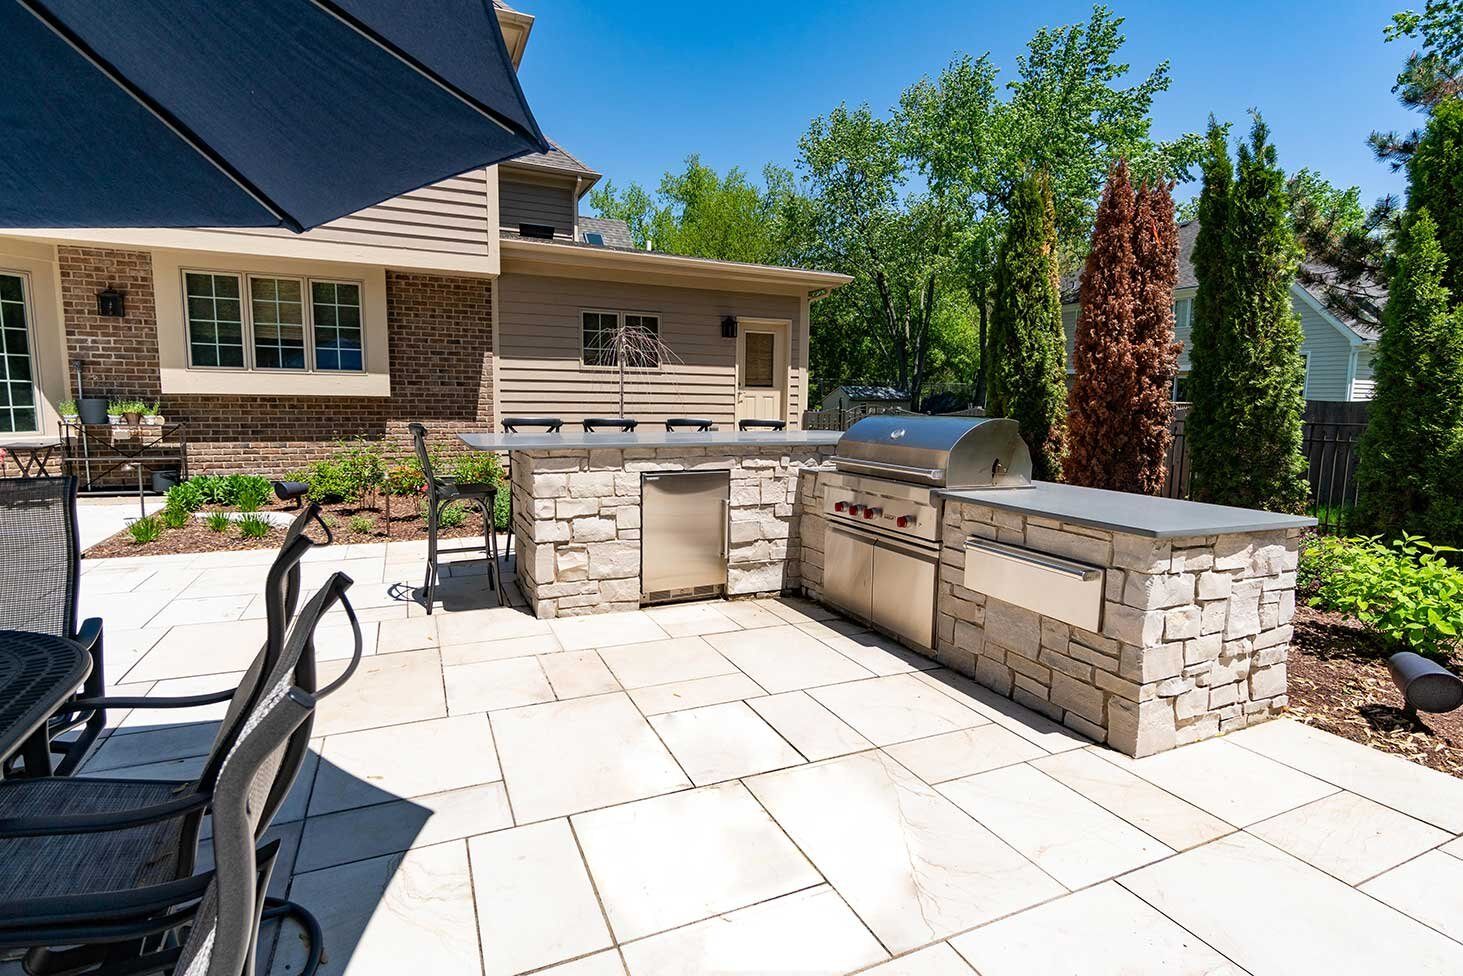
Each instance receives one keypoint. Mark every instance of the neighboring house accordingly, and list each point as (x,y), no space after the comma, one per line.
(479,296)
(1338,349)
(850,397)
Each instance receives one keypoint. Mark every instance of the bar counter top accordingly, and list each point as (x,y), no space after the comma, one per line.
(1160,518)
(580,440)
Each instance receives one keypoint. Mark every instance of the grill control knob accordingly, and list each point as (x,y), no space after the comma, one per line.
(872,512)
(902,521)
(854,510)
(840,506)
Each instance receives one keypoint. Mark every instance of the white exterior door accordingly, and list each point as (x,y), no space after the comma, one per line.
(762,371)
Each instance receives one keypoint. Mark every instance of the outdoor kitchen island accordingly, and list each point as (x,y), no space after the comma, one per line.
(609,521)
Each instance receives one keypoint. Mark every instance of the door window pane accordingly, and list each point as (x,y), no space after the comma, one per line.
(277,305)
(761,356)
(17,395)
(215,320)
(336,306)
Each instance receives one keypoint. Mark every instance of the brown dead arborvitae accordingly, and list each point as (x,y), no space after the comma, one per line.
(1156,253)
(1108,378)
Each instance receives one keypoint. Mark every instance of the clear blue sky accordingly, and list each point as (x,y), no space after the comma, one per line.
(632,88)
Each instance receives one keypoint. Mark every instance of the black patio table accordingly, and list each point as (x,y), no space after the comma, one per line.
(38,672)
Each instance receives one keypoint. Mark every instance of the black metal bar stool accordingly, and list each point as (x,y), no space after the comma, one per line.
(623,424)
(761,425)
(688,423)
(443,491)
(514,425)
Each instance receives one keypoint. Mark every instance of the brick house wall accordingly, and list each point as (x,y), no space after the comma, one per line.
(440,352)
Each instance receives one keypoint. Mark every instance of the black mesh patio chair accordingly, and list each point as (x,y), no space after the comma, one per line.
(688,423)
(442,492)
(624,424)
(281,597)
(40,575)
(514,425)
(761,425)
(93,871)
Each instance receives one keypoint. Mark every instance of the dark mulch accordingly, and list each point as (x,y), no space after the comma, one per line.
(405,525)
(1339,682)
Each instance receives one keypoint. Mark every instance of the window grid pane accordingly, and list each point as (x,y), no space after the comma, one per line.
(336,306)
(642,341)
(599,339)
(17,396)
(278,309)
(215,320)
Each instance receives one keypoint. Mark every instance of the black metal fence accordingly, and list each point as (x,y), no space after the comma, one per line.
(1330,439)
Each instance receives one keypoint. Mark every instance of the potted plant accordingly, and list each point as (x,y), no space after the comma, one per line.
(154,415)
(132,411)
(114,412)
(68,412)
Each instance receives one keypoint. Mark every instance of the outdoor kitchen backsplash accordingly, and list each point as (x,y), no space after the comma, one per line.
(1193,640)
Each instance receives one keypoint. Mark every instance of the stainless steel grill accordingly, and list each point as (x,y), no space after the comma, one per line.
(881,561)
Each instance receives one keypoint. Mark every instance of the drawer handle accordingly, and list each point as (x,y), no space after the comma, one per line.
(1051,564)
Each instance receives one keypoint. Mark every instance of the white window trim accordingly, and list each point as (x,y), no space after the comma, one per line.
(27,299)
(619,315)
(246,314)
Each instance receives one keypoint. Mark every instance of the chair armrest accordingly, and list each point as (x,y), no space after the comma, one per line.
(91,823)
(181,701)
(90,634)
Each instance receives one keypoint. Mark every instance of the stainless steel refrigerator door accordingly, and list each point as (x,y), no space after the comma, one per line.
(848,571)
(683,541)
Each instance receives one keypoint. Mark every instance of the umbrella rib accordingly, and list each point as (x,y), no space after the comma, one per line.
(365,30)
(61,30)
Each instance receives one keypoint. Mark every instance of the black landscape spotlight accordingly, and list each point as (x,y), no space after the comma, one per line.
(291,491)
(1425,685)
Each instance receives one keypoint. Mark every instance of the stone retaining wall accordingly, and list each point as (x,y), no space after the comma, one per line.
(577,522)
(1193,640)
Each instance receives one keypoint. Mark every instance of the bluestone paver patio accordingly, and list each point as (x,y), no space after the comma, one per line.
(763,788)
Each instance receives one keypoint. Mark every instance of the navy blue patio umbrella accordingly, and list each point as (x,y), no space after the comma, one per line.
(246,113)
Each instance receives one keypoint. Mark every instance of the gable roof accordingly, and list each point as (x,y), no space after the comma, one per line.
(557,159)
(1364,328)
(616,233)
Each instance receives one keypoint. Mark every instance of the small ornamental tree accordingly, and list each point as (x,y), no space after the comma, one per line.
(1124,354)
(1248,375)
(1407,479)
(1027,343)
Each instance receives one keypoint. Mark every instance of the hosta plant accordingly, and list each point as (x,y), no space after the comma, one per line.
(1406,591)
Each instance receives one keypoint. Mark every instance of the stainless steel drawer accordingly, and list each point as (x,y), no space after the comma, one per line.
(848,571)
(1053,586)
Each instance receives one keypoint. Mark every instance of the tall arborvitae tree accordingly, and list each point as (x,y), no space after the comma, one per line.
(1435,183)
(1028,382)
(1156,255)
(1125,355)
(1247,374)
(1105,361)
(1408,479)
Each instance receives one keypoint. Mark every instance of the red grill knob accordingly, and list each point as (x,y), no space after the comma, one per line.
(902,521)
(855,509)
(872,512)
(840,506)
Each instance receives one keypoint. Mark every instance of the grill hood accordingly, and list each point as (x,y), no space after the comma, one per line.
(941,452)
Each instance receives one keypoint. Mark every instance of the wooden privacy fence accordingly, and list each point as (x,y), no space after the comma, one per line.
(1330,440)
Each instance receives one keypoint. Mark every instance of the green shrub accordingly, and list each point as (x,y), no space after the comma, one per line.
(477,467)
(174,517)
(186,495)
(450,516)
(352,473)
(500,508)
(210,487)
(361,524)
(251,492)
(254,526)
(219,521)
(1406,592)
(145,530)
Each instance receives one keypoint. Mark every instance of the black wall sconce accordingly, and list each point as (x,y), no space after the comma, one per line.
(729,327)
(111,303)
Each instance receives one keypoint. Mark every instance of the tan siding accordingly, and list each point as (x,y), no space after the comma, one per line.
(539,367)
(450,215)
(535,203)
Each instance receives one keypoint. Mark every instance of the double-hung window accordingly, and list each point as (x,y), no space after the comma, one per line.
(609,337)
(17,382)
(287,323)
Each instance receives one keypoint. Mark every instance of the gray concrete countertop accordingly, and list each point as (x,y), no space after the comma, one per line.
(1160,518)
(579,440)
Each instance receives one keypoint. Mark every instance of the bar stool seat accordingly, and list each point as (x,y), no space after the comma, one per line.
(441,492)
(761,425)
(688,423)
(624,424)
